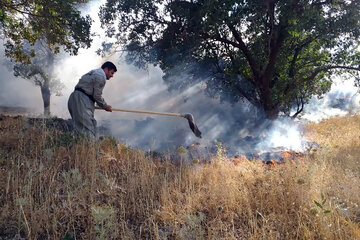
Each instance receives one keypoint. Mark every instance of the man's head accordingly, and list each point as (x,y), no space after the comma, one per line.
(109,69)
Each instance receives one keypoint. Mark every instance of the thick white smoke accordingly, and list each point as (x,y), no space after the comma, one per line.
(17,92)
(240,127)
(343,99)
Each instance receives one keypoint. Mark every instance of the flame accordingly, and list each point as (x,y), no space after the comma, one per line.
(237,160)
(292,157)
(270,163)
(286,155)
(193,145)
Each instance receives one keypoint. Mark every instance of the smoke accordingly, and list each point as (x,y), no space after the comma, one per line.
(240,127)
(17,92)
(284,134)
(343,99)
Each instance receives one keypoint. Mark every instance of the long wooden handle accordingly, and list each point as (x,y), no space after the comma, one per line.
(146,112)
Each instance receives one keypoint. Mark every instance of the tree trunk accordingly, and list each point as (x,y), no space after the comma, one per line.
(272,113)
(270,108)
(45,93)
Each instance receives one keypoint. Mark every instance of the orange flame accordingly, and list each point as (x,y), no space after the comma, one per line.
(237,160)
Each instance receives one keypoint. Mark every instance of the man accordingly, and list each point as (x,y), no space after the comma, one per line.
(87,92)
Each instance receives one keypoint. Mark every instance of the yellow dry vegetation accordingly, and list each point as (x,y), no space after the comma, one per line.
(56,186)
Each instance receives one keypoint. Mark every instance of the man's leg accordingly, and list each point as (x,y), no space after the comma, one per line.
(81,109)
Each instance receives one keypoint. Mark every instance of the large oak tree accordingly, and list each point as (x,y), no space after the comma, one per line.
(276,54)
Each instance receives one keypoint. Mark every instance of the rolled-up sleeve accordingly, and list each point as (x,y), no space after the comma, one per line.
(99,84)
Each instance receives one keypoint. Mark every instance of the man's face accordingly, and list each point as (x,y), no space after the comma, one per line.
(109,73)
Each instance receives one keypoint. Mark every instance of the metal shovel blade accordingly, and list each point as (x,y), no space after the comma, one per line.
(192,124)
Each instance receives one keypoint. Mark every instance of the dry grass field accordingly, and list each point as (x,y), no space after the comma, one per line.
(56,186)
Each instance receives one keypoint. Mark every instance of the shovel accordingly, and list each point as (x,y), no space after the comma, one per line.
(188,116)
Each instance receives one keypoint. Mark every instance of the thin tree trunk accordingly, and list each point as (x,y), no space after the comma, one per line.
(45,93)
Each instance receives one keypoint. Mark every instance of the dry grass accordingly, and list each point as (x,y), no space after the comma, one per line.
(54,186)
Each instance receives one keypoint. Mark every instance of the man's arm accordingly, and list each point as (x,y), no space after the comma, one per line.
(99,84)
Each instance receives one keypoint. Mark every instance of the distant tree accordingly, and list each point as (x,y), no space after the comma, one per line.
(57,22)
(275,54)
(40,71)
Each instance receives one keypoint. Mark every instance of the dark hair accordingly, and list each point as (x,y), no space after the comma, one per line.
(109,66)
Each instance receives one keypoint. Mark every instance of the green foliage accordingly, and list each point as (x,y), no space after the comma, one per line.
(220,150)
(66,139)
(194,227)
(73,181)
(110,141)
(274,54)
(68,236)
(301,181)
(181,150)
(105,222)
(321,204)
(59,23)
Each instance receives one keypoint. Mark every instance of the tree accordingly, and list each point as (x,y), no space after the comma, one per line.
(36,30)
(57,22)
(275,54)
(40,71)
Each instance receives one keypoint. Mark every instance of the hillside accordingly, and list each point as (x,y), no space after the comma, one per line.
(57,186)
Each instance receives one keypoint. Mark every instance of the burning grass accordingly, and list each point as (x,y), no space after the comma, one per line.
(56,186)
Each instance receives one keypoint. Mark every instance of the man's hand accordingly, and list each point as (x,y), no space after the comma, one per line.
(108,108)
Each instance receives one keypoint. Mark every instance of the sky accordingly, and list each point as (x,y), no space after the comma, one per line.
(237,127)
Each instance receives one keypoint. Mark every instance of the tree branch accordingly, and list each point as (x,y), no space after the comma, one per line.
(327,68)
(271,14)
(250,97)
(14,7)
(316,72)
(300,107)
(296,54)
(241,45)
(276,42)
